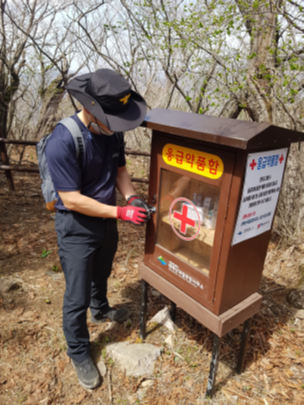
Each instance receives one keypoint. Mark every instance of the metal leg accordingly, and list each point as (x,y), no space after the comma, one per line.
(173,311)
(143,309)
(213,365)
(244,341)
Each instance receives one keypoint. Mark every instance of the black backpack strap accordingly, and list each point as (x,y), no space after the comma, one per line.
(120,139)
(76,133)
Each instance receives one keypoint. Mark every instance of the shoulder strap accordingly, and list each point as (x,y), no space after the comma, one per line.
(76,133)
(120,139)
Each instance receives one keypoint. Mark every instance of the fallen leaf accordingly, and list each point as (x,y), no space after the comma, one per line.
(81,398)
(61,365)
(31,295)
(19,311)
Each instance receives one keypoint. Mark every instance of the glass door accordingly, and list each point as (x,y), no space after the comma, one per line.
(189,187)
(187,215)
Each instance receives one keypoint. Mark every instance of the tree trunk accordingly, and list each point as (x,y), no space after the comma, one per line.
(261,69)
(51,99)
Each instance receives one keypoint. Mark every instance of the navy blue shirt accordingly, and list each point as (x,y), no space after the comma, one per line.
(96,175)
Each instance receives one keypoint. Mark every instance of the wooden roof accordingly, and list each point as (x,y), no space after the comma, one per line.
(233,133)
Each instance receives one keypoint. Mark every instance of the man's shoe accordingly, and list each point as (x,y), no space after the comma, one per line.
(87,373)
(118,315)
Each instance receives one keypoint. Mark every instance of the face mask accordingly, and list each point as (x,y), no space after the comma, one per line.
(100,131)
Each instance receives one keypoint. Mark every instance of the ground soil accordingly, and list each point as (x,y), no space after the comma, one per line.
(34,367)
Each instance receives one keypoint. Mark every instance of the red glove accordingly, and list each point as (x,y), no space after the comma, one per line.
(135,215)
(136,201)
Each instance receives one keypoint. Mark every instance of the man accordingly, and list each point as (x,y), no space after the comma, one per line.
(86,217)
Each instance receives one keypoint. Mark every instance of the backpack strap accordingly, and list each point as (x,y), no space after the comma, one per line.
(120,140)
(76,133)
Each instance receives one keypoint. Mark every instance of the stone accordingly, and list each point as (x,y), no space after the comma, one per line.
(147,383)
(155,293)
(111,326)
(136,359)
(169,341)
(132,399)
(296,298)
(8,285)
(55,276)
(299,314)
(102,368)
(163,317)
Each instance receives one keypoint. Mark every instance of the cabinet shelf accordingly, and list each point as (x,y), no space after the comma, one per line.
(205,235)
(194,259)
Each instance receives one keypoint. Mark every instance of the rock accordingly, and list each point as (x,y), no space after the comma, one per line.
(8,285)
(136,359)
(299,314)
(147,383)
(55,276)
(296,298)
(169,341)
(102,368)
(155,293)
(111,326)
(163,317)
(275,310)
(132,399)
(140,394)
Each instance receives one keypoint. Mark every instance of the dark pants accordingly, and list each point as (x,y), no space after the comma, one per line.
(87,246)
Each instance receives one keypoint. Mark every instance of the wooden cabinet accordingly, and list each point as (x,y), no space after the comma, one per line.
(199,167)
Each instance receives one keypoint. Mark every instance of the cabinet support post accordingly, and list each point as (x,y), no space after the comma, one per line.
(244,342)
(143,308)
(213,365)
(173,311)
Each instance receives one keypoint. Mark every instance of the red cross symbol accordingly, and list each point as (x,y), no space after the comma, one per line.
(253,164)
(281,159)
(185,220)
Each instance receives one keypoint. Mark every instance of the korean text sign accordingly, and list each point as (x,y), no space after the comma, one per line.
(194,161)
(262,184)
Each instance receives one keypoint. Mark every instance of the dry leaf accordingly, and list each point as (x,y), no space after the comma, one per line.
(227,394)
(81,398)
(55,353)
(190,382)
(19,311)
(31,295)
(61,365)
(289,373)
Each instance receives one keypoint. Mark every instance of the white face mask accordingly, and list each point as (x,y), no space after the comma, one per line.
(100,131)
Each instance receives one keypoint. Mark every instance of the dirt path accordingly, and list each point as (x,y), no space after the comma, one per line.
(34,368)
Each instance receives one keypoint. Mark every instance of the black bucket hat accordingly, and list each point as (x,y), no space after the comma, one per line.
(109,98)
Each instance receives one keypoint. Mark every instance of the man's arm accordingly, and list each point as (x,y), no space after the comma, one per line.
(123,183)
(75,201)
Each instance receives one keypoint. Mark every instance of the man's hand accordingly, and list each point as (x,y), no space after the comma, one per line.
(135,215)
(136,201)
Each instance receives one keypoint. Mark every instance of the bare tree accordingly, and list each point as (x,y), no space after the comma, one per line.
(37,51)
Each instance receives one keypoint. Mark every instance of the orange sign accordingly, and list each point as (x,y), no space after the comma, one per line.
(193,161)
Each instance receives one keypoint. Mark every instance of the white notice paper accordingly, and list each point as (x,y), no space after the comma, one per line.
(262,184)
